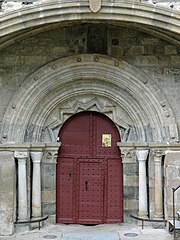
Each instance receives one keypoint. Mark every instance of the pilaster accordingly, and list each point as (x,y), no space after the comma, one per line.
(22,185)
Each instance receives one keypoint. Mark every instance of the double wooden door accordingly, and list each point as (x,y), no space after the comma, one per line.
(89,171)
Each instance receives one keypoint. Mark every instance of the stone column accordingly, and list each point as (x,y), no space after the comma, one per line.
(22,185)
(158,183)
(142,156)
(36,184)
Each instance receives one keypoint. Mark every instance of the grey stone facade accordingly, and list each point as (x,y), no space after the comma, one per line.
(57,59)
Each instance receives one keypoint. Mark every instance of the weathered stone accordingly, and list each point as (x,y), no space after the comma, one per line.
(130,169)
(131,181)
(128,84)
(49,208)
(131,204)
(131,192)
(48,196)
(7,192)
(48,183)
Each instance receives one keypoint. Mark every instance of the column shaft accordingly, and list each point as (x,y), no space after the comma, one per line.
(142,156)
(22,186)
(158,186)
(36,184)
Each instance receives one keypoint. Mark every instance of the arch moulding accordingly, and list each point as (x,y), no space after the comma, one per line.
(56,91)
(68,12)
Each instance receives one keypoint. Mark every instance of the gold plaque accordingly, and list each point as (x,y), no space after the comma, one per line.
(106,140)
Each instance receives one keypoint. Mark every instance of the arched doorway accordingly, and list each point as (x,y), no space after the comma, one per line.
(89,171)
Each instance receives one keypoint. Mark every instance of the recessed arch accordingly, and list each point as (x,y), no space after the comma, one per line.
(77,83)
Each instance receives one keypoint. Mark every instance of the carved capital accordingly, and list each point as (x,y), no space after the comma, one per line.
(36,156)
(158,152)
(128,155)
(51,156)
(142,154)
(21,155)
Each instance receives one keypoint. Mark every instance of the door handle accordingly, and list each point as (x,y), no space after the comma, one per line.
(69,175)
(86,185)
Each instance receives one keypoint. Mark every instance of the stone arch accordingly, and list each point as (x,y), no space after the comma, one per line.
(88,82)
(161,20)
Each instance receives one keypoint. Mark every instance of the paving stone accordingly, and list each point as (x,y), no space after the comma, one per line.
(91,236)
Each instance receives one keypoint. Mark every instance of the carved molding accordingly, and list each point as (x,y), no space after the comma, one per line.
(118,89)
(95,5)
(21,155)
(51,157)
(158,152)
(142,155)
(36,156)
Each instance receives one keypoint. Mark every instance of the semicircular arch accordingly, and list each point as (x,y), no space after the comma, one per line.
(73,11)
(69,85)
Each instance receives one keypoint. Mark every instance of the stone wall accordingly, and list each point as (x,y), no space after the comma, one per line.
(131,185)
(156,57)
(172,180)
(49,186)
(7,193)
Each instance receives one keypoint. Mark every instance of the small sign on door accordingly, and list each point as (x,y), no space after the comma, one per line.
(106,140)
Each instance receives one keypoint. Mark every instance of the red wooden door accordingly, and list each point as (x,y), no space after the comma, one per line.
(89,171)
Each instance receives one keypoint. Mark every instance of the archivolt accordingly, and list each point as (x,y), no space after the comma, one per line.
(65,12)
(88,75)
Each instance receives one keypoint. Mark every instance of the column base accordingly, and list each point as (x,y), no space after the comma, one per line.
(22,227)
(158,217)
(35,225)
(143,215)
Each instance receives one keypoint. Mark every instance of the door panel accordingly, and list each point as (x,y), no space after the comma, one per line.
(89,171)
(90,200)
(65,195)
(114,189)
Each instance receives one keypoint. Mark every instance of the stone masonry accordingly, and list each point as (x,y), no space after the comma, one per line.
(58,58)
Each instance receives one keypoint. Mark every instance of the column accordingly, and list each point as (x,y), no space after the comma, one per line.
(22,185)
(142,156)
(36,184)
(158,183)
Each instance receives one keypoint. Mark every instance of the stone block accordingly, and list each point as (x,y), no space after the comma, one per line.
(49,169)
(131,192)
(150,41)
(49,208)
(128,219)
(175,60)
(172,158)
(6,201)
(48,183)
(130,169)
(6,186)
(51,219)
(48,196)
(170,49)
(131,204)
(132,181)
(8,171)
(148,60)
(116,51)
(7,191)
(6,229)
(135,50)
